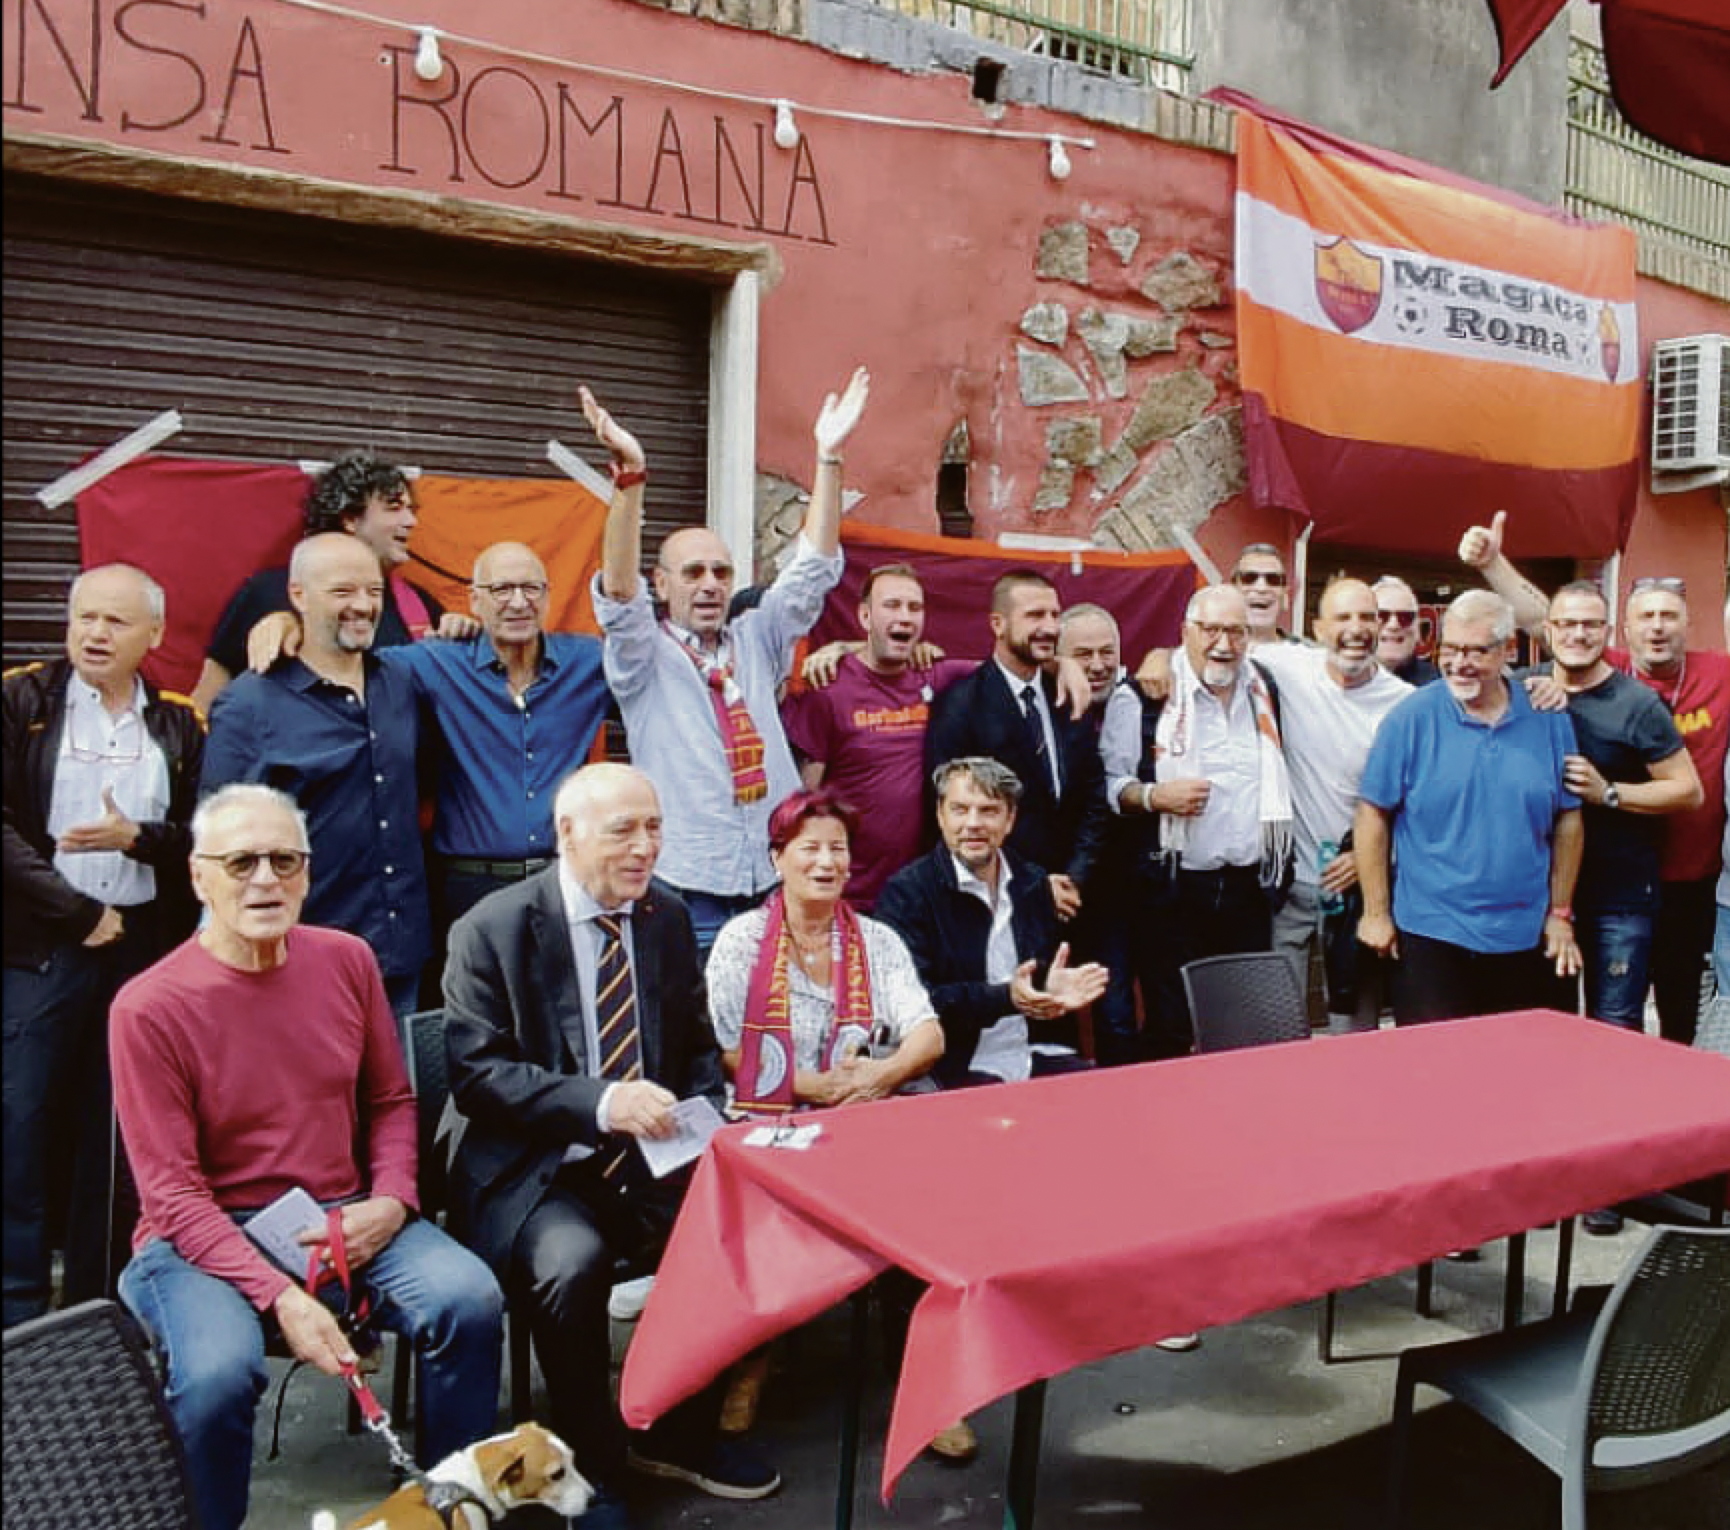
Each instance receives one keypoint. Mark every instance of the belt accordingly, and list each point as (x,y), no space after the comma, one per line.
(513,871)
(1222,873)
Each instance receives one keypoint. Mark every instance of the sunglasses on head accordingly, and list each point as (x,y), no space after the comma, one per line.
(1670,584)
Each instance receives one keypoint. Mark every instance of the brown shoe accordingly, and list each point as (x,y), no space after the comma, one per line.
(956,1445)
(744,1393)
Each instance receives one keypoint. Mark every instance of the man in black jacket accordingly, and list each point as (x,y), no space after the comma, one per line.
(1007,709)
(576,1018)
(982,930)
(101,773)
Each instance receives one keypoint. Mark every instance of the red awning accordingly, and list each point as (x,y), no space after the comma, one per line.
(1668,60)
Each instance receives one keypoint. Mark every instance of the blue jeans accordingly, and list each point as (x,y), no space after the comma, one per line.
(1721,951)
(426,1285)
(1616,951)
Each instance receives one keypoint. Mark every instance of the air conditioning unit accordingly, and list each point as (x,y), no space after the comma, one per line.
(1690,413)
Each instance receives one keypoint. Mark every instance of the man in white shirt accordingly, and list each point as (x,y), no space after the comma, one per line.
(698,692)
(101,772)
(1332,700)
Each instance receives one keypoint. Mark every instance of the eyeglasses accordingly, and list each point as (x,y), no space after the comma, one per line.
(1670,584)
(1274,581)
(126,755)
(243,865)
(1398,618)
(1213,631)
(1477,652)
(1579,624)
(696,570)
(530,589)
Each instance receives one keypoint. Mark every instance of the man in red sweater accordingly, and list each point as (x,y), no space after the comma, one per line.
(258,1057)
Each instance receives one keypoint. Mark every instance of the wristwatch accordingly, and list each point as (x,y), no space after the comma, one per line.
(1612,797)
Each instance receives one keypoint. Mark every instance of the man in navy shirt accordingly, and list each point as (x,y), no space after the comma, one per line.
(336,730)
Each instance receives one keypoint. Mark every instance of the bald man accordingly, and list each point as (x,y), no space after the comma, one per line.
(336,731)
(101,770)
(577,1016)
(698,692)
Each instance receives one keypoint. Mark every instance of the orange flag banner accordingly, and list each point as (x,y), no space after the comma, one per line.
(1419,351)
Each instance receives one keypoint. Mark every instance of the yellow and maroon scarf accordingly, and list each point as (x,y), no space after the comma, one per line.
(740,740)
(764,1084)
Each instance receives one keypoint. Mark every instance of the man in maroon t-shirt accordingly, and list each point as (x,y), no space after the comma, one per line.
(863,734)
(1695,686)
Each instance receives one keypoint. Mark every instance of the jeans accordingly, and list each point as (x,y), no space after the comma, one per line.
(1616,949)
(58,1132)
(709,911)
(426,1286)
(1721,951)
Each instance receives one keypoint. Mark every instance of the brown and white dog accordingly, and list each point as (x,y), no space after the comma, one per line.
(528,1465)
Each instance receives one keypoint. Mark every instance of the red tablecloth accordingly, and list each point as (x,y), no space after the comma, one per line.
(1077,1217)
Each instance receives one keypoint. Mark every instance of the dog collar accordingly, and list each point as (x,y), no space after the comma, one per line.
(445,1499)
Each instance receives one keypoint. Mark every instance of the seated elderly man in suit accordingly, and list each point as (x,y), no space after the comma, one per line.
(577,1018)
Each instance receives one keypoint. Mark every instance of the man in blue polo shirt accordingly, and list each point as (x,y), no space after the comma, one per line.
(515,710)
(1464,786)
(336,731)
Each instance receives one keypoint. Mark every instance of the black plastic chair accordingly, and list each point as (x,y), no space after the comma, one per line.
(87,1437)
(1633,1395)
(1255,999)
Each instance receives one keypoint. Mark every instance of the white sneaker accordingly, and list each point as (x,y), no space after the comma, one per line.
(626,1303)
(1179,1343)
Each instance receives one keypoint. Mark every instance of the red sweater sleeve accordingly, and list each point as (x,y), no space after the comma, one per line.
(154,1096)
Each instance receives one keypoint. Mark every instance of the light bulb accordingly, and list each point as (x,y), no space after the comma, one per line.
(786,129)
(428,64)
(1060,166)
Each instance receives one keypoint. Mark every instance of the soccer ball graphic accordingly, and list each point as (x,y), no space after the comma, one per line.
(1411,315)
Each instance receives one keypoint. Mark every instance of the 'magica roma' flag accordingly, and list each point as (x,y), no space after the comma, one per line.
(1418,351)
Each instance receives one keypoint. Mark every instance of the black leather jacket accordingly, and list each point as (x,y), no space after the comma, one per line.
(44,910)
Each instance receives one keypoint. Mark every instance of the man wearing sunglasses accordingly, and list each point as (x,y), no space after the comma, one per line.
(1695,685)
(257,1058)
(1397,618)
(1260,575)
(101,771)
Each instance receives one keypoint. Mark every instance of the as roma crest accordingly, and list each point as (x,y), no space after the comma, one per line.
(1348,284)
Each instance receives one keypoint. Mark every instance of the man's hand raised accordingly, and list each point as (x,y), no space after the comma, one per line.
(1482,545)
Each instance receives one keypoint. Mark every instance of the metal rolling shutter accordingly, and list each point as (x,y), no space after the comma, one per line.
(281,338)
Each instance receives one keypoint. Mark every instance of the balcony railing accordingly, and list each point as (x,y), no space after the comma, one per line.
(1147,41)
(1679,206)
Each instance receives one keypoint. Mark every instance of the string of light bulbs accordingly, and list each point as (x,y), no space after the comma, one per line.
(429,66)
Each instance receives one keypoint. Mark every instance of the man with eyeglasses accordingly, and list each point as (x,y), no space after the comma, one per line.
(101,772)
(1465,787)
(1260,574)
(1397,617)
(1695,685)
(366,498)
(697,691)
(1220,795)
(257,1058)
(337,730)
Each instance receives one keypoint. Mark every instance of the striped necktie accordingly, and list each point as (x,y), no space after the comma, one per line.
(619,1041)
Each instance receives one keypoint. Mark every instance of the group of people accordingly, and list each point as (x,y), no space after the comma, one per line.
(906,875)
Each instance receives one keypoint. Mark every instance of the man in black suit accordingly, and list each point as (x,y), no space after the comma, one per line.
(982,931)
(1007,709)
(577,1017)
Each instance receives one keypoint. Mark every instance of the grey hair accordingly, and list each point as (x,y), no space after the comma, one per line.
(1090,608)
(1483,606)
(992,777)
(1394,582)
(246,794)
(155,599)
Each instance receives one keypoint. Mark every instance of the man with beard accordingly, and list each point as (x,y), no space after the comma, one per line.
(1397,642)
(336,731)
(1464,785)
(697,691)
(1007,709)
(1631,768)
(1333,699)
(863,733)
(1222,799)
(1695,685)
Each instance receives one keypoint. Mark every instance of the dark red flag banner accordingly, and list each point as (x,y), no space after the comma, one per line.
(1146,592)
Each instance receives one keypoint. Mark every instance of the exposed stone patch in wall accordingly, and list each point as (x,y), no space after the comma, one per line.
(1201,468)
(1076,439)
(1124,240)
(781,507)
(1063,254)
(1181,282)
(1048,322)
(1047,379)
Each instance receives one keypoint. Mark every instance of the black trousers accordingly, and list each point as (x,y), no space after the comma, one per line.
(1436,980)
(1681,940)
(563,1265)
(1211,913)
